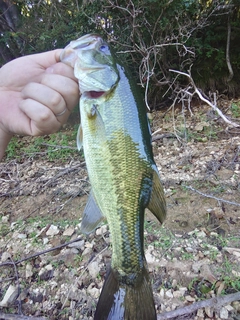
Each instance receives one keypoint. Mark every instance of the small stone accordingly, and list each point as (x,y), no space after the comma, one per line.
(52,231)
(69,232)
(209,311)
(94,269)
(10,296)
(150,258)
(78,245)
(28,271)
(169,294)
(200,313)
(102,230)
(86,251)
(22,236)
(45,240)
(174,283)
(183,290)
(223,313)
(94,292)
(5,256)
(190,298)
(5,218)
(162,293)
(229,308)
(236,305)
(177,294)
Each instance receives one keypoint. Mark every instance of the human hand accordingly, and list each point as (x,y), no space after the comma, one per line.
(37,94)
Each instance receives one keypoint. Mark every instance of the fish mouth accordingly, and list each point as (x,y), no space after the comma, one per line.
(95,94)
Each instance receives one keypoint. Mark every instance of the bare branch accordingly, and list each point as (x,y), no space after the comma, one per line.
(214,302)
(227,51)
(213,197)
(4,316)
(196,90)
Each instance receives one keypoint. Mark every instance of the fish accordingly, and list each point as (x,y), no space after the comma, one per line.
(116,140)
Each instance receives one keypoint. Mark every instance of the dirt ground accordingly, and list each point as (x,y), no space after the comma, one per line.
(201,179)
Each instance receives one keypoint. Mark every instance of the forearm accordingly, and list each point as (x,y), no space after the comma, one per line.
(4,141)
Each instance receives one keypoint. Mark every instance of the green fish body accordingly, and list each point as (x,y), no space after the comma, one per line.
(116,139)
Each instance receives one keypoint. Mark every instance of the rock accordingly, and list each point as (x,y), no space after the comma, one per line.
(169,294)
(190,298)
(200,313)
(223,313)
(209,311)
(93,269)
(69,231)
(5,256)
(86,251)
(150,258)
(52,231)
(28,271)
(236,306)
(94,292)
(22,236)
(45,240)
(10,296)
(46,272)
(102,230)
(5,218)
(177,294)
(78,245)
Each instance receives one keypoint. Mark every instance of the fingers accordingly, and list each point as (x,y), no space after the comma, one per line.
(46,59)
(45,96)
(41,119)
(65,86)
(56,93)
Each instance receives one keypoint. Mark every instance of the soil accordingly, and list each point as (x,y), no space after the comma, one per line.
(201,178)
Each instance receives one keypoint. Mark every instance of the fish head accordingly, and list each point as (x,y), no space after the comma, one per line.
(93,64)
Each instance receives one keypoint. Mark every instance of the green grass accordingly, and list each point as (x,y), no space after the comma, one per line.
(235,108)
(61,145)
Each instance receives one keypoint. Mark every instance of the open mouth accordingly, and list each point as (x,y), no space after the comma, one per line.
(95,94)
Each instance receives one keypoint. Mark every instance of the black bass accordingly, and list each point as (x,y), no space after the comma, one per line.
(116,140)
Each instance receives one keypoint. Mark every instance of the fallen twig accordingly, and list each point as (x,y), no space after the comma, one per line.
(216,302)
(161,136)
(39,253)
(213,197)
(4,316)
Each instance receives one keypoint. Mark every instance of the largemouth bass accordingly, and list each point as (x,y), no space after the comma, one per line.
(116,140)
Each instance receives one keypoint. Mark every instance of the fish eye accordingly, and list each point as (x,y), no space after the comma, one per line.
(104,48)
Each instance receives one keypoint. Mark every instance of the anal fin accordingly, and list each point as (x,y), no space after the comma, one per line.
(157,203)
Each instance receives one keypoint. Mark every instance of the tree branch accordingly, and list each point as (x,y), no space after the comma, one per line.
(4,316)
(196,90)
(216,302)
(227,50)
(213,197)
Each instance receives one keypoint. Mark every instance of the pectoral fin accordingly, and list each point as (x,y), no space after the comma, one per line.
(79,137)
(92,216)
(157,203)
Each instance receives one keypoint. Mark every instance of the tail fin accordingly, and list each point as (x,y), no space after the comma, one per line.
(120,301)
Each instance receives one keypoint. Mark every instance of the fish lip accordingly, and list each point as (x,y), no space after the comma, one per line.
(88,42)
